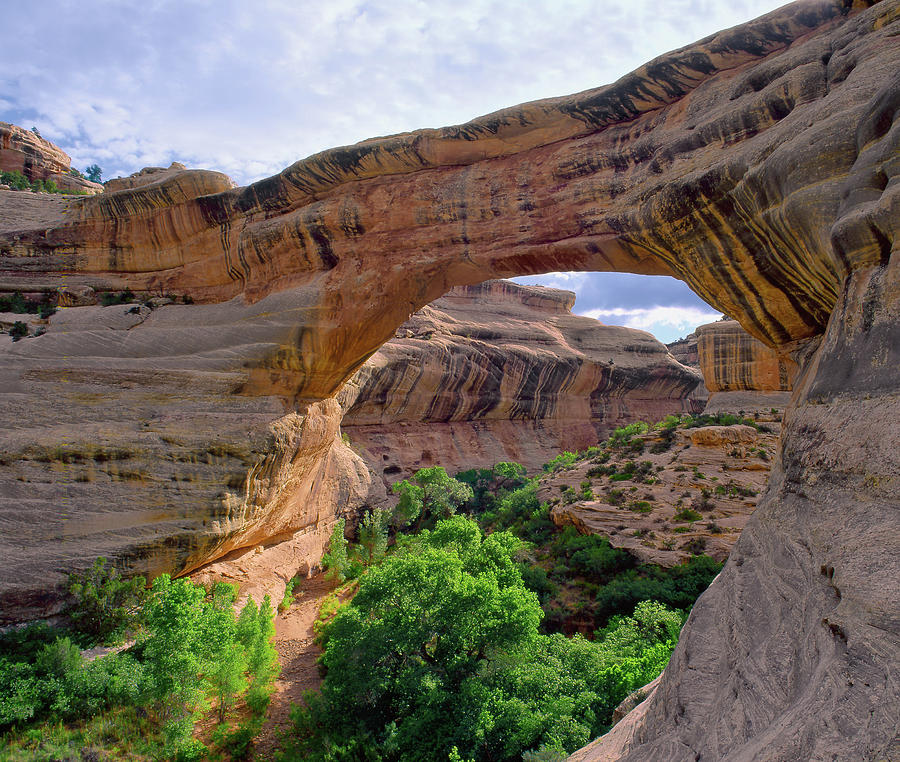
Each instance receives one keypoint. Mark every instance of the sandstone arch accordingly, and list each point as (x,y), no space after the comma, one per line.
(759,165)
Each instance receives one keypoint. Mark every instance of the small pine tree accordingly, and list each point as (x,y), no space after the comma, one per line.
(94,174)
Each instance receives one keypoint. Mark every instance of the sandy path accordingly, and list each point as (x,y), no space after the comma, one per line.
(297,653)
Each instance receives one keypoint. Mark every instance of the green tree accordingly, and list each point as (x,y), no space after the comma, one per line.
(424,622)
(335,560)
(226,657)
(430,492)
(94,174)
(373,534)
(509,475)
(175,649)
(105,603)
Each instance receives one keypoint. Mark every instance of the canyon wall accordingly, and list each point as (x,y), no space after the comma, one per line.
(740,372)
(758,165)
(501,371)
(38,159)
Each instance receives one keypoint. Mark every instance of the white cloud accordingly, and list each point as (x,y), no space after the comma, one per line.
(250,88)
(664,322)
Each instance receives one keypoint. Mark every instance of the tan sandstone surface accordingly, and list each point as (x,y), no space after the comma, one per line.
(758,165)
(501,371)
(718,472)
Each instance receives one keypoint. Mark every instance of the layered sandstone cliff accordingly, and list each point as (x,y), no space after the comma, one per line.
(758,165)
(740,372)
(685,350)
(502,371)
(38,159)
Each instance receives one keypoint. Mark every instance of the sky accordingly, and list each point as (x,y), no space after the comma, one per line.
(247,88)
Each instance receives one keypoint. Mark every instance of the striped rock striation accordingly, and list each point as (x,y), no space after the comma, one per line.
(759,165)
(732,360)
(38,159)
(501,371)
(742,373)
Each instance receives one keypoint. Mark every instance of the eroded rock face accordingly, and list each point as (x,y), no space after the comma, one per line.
(139,435)
(685,350)
(38,159)
(502,371)
(733,360)
(759,165)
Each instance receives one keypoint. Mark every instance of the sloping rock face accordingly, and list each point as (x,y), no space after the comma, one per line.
(733,360)
(502,371)
(716,471)
(685,350)
(758,165)
(138,434)
(38,159)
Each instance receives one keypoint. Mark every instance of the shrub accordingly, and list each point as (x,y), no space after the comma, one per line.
(686,514)
(695,545)
(105,604)
(19,330)
(564,460)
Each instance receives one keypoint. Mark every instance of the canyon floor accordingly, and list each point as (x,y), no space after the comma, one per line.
(297,654)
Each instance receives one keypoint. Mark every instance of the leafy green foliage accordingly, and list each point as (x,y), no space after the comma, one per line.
(17,181)
(94,173)
(105,603)
(431,492)
(288,598)
(335,560)
(373,535)
(590,554)
(191,651)
(562,461)
(677,587)
(439,657)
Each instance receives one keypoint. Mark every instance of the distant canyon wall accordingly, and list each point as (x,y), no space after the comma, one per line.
(38,159)
(502,371)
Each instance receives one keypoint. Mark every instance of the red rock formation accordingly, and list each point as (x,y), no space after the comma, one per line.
(758,165)
(38,159)
(502,371)
(732,360)
(685,350)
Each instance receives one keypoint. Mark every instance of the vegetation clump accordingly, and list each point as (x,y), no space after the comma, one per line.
(189,654)
(440,650)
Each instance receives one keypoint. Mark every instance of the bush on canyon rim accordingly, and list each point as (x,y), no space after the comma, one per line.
(440,649)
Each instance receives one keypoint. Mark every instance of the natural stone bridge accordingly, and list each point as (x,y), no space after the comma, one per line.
(759,165)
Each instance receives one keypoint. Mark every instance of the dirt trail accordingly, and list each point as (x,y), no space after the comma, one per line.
(297,653)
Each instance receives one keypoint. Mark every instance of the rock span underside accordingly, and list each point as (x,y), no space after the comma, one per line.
(759,165)
(501,371)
